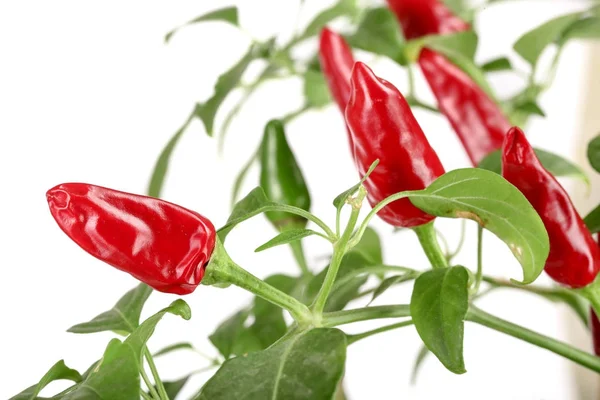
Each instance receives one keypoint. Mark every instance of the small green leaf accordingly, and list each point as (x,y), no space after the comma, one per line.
(305,366)
(592,220)
(339,9)
(340,200)
(438,307)
(161,166)
(389,282)
(555,164)
(530,108)
(286,237)
(174,347)
(421,356)
(174,387)
(531,45)
(585,28)
(227,14)
(370,247)
(593,153)
(463,44)
(115,376)
(239,180)
(379,33)
(228,81)
(138,338)
(123,317)
(227,334)
(316,91)
(58,371)
(497,206)
(496,65)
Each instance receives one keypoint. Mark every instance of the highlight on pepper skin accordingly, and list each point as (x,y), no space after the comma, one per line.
(159,243)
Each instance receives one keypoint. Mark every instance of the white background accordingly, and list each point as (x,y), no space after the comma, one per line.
(89,92)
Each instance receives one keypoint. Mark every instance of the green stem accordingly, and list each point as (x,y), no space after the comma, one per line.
(339,250)
(343,317)
(461,240)
(149,384)
(355,338)
(162,393)
(374,270)
(145,395)
(429,242)
(479,275)
(298,252)
(580,357)
(309,216)
(286,119)
(592,294)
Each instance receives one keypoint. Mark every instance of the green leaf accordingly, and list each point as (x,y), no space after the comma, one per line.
(269,324)
(225,84)
(305,366)
(340,200)
(531,45)
(138,338)
(592,220)
(497,206)
(228,332)
(379,33)
(463,44)
(58,371)
(421,356)
(339,9)
(227,14)
(161,166)
(593,153)
(585,28)
(174,387)
(496,65)
(316,91)
(516,107)
(438,307)
(123,317)
(370,247)
(389,282)
(173,347)
(286,237)
(555,164)
(530,108)
(239,180)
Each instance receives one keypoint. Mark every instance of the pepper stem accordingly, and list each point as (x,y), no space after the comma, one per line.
(428,239)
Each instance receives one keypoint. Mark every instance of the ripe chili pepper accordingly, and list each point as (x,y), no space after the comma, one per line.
(281,177)
(475,117)
(574,258)
(159,243)
(383,127)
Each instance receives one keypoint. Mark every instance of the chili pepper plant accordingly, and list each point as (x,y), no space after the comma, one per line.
(290,342)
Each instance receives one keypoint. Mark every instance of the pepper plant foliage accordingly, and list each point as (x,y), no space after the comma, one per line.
(266,355)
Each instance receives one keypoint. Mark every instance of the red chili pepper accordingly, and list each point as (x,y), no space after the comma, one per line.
(574,258)
(161,244)
(383,127)
(426,17)
(475,117)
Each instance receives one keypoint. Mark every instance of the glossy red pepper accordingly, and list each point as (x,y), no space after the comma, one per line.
(426,17)
(574,258)
(383,127)
(161,244)
(475,117)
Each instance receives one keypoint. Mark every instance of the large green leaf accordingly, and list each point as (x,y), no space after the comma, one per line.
(339,9)
(58,371)
(555,164)
(593,153)
(316,91)
(585,28)
(116,376)
(379,33)
(227,14)
(438,307)
(531,45)
(497,206)
(228,81)
(124,317)
(308,365)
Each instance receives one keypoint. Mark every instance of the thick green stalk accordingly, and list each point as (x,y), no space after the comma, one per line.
(428,239)
(580,357)
(365,314)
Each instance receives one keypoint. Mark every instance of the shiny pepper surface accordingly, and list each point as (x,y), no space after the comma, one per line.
(475,117)
(574,258)
(281,177)
(159,243)
(383,127)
